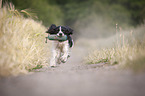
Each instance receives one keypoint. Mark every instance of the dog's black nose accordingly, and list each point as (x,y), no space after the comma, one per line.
(60,34)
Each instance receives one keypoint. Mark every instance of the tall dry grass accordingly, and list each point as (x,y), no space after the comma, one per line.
(128,50)
(22,45)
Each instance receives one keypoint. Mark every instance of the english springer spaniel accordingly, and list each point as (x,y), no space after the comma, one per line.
(60,49)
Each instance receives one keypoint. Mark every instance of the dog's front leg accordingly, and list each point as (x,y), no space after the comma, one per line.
(53,59)
(65,53)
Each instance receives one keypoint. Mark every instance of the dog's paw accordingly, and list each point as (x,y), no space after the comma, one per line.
(52,65)
(63,59)
(68,56)
(58,61)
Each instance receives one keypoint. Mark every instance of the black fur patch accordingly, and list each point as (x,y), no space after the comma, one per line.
(70,41)
(51,30)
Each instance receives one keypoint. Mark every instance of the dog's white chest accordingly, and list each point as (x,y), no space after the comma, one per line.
(60,45)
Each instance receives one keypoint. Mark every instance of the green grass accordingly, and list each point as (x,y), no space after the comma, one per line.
(37,67)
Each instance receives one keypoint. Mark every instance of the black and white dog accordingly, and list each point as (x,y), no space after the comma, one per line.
(60,49)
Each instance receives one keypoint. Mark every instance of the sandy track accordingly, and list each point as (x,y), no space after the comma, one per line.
(75,79)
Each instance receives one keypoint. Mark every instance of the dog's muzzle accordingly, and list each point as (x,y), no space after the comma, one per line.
(60,34)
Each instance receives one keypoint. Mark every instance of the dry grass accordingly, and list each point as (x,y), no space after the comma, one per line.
(22,42)
(128,52)
(113,55)
(137,63)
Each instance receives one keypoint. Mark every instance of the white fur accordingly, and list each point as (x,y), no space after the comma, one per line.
(60,52)
(60,32)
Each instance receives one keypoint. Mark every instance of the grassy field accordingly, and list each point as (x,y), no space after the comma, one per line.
(128,50)
(22,42)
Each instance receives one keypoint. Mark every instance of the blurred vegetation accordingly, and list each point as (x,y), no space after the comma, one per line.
(128,51)
(67,12)
(93,16)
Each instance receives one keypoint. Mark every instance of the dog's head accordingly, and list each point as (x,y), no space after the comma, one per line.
(60,30)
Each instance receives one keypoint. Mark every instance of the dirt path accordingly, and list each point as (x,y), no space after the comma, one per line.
(75,79)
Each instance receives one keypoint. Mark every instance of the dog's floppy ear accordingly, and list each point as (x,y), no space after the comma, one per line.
(69,30)
(51,30)
(70,41)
